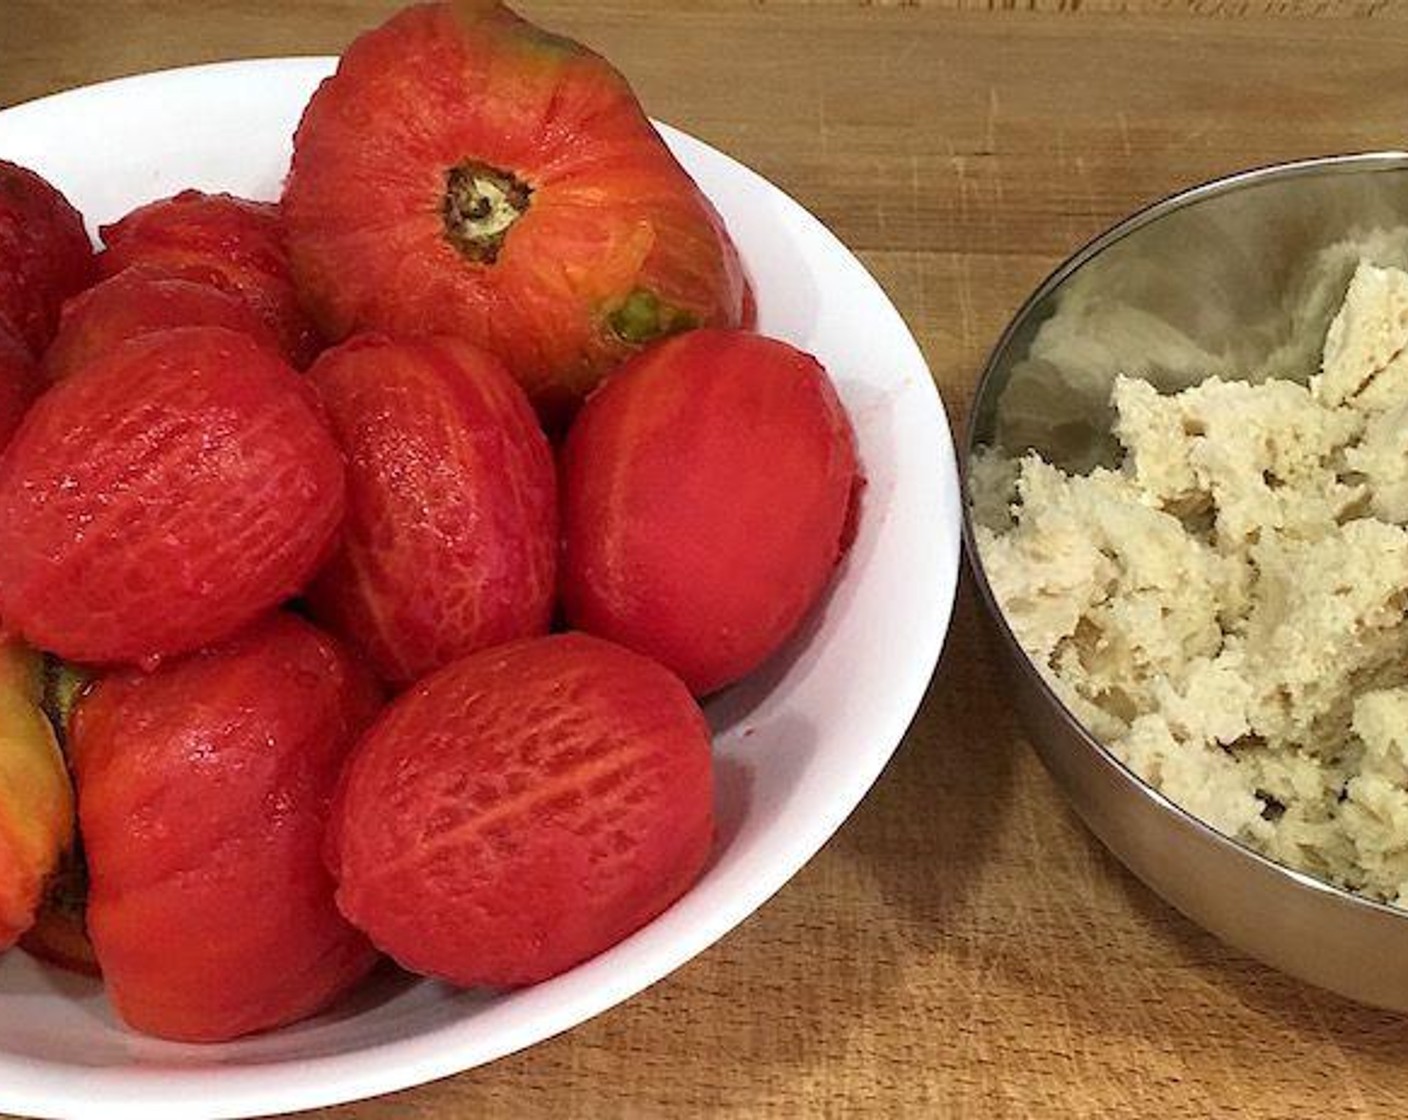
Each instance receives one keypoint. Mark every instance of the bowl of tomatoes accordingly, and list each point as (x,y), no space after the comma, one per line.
(465,547)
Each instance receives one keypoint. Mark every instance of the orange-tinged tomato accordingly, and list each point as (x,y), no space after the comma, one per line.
(466,172)
(36,797)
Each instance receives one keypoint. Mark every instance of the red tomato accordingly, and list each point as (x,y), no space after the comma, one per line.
(524,809)
(224,241)
(450,542)
(139,301)
(465,172)
(708,492)
(45,256)
(204,790)
(19,384)
(163,497)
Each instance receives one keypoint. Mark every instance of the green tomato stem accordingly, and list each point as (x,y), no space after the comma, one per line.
(644,317)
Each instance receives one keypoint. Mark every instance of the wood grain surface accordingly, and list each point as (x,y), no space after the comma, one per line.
(962,947)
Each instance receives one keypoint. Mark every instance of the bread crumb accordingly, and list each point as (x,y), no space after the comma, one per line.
(1225,607)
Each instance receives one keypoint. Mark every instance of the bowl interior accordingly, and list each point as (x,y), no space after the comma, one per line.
(798,744)
(1241,275)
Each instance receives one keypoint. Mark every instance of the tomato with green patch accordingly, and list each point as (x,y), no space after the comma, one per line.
(465,172)
(59,934)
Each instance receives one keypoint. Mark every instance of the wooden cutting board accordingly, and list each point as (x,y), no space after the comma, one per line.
(962,947)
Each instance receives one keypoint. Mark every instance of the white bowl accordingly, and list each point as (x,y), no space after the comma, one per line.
(798,744)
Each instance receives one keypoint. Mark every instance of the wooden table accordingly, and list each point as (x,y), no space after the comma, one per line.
(962,947)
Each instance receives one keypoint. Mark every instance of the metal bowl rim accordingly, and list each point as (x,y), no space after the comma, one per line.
(1335,164)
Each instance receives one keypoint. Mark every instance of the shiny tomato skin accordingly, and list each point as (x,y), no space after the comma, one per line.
(45,256)
(204,790)
(163,497)
(221,240)
(524,809)
(709,491)
(450,542)
(142,300)
(612,222)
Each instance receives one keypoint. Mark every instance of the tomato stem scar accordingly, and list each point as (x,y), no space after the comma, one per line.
(481,205)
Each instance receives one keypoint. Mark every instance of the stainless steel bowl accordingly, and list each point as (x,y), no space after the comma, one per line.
(1231,274)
